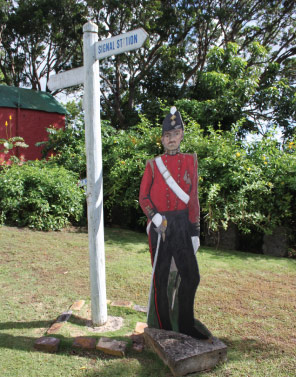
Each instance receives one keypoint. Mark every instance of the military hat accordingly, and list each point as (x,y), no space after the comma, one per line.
(173,121)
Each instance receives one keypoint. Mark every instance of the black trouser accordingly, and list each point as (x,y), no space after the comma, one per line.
(177,244)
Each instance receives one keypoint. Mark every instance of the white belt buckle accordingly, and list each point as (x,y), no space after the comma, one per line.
(166,175)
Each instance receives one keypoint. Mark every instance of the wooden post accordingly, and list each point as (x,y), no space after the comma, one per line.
(94,176)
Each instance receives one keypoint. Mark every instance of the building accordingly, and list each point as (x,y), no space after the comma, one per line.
(28,113)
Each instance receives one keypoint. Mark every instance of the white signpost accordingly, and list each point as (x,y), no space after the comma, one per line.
(88,75)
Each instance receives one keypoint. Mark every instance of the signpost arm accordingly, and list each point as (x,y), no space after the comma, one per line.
(94,176)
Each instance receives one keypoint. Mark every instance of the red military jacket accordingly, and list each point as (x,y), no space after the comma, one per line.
(156,196)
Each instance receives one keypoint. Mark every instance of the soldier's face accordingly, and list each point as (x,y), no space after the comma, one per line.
(171,139)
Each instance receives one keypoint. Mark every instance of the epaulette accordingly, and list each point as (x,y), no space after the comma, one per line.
(150,162)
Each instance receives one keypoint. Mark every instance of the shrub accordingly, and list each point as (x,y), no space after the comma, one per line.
(40,195)
(252,185)
(125,153)
(66,147)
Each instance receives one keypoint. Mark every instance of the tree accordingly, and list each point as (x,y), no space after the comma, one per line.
(182,34)
(41,36)
(172,63)
(123,76)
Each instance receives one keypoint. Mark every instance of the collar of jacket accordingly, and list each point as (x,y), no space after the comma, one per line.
(172,153)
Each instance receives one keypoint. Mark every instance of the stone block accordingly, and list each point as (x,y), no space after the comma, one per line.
(112,346)
(184,354)
(47,344)
(64,317)
(138,342)
(138,347)
(77,305)
(55,327)
(140,308)
(140,326)
(85,342)
(122,303)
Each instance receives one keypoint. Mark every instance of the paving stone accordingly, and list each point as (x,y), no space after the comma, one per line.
(47,344)
(85,342)
(125,304)
(55,327)
(184,354)
(140,326)
(112,346)
(137,338)
(140,308)
(64,317)
(77,305)
(138,342)
(138,347)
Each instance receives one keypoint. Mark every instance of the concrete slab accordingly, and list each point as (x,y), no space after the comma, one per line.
(113,324)
(184,354)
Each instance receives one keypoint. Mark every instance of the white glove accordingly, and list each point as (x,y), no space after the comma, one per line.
(157,220)
(161,224)
(195,243)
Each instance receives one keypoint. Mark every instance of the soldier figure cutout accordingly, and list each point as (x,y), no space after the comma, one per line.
(169,198)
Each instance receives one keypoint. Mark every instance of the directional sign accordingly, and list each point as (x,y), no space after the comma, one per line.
(112,46)
(120,43)
(65,79)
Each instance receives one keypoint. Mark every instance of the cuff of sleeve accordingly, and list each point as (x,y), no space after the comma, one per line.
(150,212)
(195,229)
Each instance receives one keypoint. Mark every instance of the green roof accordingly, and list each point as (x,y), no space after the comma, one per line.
(11,96)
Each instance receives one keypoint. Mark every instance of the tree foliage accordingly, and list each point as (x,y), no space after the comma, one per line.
(197,50)
(39,37)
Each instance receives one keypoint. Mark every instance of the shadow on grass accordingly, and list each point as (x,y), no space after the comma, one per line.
(236,255)
(24,325)
(236,347)
(147,363)
(250,349)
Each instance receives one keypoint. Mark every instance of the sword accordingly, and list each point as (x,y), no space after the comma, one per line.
(176,287)
(153,270)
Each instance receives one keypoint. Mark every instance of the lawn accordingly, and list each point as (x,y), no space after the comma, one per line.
(247,300)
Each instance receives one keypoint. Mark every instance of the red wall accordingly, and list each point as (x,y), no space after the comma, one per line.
(29,124)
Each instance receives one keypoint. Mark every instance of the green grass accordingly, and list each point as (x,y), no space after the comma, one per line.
(247,300)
